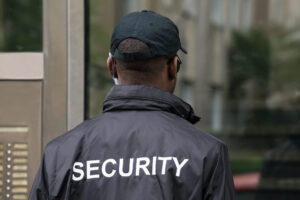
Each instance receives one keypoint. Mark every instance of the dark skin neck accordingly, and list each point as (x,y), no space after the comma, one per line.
(165,80)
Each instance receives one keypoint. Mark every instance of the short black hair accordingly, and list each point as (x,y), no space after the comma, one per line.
(138,71)
(132,45)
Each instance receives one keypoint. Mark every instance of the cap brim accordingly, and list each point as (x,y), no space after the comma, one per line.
(183,50)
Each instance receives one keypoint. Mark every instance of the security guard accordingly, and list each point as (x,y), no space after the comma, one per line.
(144,144)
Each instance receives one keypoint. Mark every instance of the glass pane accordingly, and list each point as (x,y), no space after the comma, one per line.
(20,25)
(101,22)
(241,76)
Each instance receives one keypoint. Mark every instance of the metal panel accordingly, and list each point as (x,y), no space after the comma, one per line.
(75,62)
(64,66)
(20,136)
(55,79)
(16,66)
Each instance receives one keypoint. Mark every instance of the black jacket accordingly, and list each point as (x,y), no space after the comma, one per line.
(143,147)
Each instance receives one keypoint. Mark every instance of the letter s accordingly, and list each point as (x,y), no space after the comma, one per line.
(78,171)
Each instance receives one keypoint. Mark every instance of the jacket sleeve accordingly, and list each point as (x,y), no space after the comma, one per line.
(220,184)
(39,187)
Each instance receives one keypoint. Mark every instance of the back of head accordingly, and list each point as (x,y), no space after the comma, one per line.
(138,71)
(141,45)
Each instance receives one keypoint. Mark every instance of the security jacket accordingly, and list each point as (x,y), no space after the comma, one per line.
(142,147)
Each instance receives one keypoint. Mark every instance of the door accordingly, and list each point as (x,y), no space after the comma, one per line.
(41,84)
(20,122)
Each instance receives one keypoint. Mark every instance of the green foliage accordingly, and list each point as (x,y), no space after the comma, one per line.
(245,162)
(271,58)
(99,78)
(22,25)
(249,58)
(286,59)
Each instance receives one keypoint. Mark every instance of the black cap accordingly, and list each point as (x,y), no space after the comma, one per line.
(158,32)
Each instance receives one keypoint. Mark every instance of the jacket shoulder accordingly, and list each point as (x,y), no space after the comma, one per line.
(193,134)
(74,134)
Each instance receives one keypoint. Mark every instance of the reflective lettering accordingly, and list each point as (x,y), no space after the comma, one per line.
(93,169)
(154,165)
(140,166)
(164,164)
(179,166)
(89,169)
(77,171)
(121,167)
(104,172)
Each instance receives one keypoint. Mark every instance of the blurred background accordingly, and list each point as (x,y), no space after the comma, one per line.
(241,74)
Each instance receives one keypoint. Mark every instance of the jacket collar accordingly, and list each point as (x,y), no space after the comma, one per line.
(141,97)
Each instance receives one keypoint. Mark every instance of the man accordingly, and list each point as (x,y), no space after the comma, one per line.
(144,145)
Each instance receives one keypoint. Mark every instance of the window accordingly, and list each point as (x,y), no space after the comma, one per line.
(217,12)
(19,32)
(246,89)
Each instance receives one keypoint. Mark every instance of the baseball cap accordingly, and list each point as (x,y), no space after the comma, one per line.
(159,33)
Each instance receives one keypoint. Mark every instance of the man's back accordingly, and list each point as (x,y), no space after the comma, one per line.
(143,146)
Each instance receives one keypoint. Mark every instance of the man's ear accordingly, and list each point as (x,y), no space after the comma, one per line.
(111,66)
(172,69)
